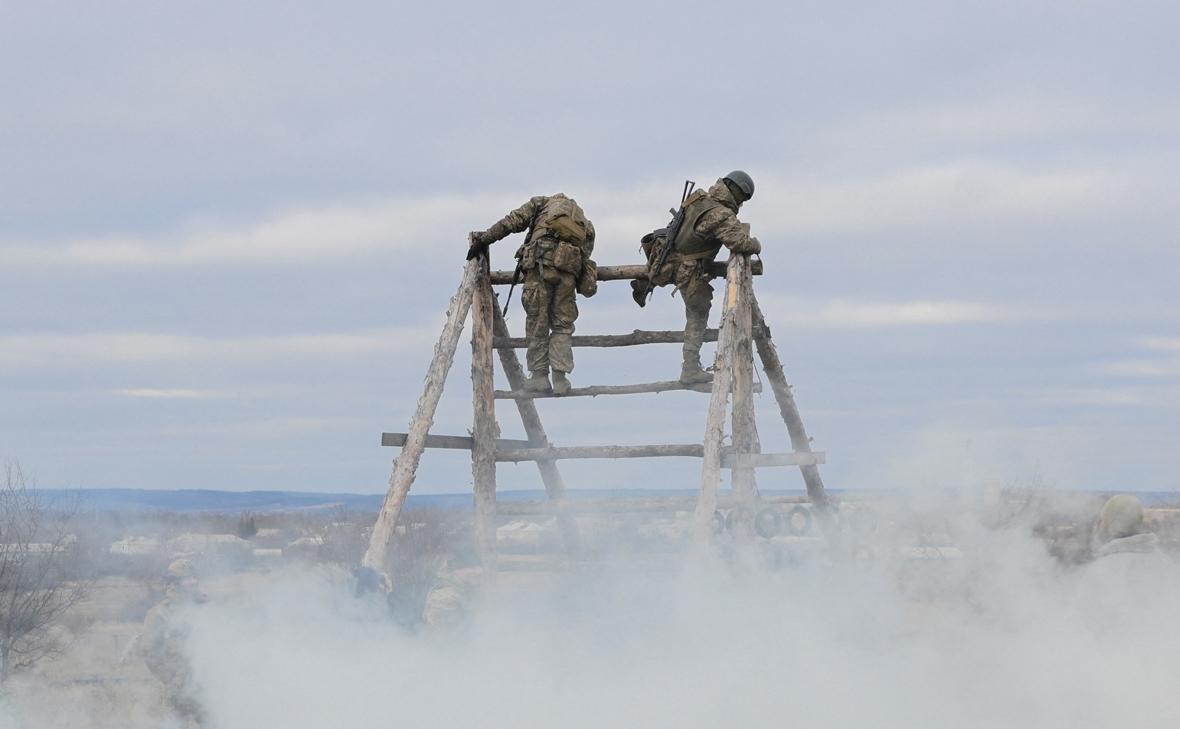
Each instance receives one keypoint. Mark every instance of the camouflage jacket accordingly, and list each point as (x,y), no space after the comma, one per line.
(533,216)
(721,227)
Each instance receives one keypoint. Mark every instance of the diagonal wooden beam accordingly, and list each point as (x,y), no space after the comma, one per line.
(773,367)
(405,466)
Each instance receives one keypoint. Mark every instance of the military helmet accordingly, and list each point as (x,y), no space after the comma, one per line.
(1122,516)
(742,181)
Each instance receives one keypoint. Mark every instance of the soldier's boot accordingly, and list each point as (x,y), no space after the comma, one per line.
(639,291)
(692,374)
(561,383)
(538,382)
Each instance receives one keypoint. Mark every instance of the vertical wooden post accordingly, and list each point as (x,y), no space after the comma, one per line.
(405,466)
(554,485)
(789,411)
(715,421)
(745,427)
(484,429)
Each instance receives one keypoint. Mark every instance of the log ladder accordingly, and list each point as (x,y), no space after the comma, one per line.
(741,332)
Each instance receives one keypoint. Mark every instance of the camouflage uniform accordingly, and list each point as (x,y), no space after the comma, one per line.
(718,226)
(162,647)
(549,295)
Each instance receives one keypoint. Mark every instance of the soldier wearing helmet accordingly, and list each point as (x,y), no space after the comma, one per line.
(162,642)
(710,223)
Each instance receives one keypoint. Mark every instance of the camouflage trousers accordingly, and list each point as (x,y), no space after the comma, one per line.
(692,282)
(551,308)
(171,669)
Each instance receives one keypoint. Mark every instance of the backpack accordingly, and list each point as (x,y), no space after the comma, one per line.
(564,219)
(659,244)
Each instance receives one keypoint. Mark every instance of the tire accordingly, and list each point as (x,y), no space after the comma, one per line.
(768,522)
(733,517)
(799,521)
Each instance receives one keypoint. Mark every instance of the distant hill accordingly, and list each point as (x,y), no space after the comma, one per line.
(208,500)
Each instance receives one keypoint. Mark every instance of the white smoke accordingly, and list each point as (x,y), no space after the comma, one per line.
(951,615)
(991,632)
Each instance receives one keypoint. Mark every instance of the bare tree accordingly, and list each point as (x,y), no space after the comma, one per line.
(40,578)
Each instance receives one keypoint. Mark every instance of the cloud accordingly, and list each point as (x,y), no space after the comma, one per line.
(952,193)
(1141,368)
(1163,344)
(1007,119)
(786,311)
(29,351)
(913,198)
(152,393)
(1148,397)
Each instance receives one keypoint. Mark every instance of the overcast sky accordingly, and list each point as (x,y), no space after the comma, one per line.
(229,231)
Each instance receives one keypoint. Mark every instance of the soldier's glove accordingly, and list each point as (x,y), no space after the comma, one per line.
(476,245)
(757,247)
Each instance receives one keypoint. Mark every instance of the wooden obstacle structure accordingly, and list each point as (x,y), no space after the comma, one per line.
(742,331)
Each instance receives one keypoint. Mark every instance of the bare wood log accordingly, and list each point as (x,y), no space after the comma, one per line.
(484,430)
(773,366)
(635,338)
(745,429)
(596,390)
(768,460)
(626,273)
(550,476)
(405,466)
(514,450)
(715,421)
(453,442)
(631,505)
(729,457)
(514,455)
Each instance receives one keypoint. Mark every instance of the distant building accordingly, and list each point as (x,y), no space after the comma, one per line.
(137,546)
(219,545)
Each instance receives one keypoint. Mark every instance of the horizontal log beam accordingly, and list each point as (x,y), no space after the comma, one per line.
(515,455)
(688,450)
(637,337)
(629,505)
(627,273)
(596,390)
(455,442)
(770,460)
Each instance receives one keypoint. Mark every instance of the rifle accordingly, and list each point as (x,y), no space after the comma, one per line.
(673,230)
(515,280)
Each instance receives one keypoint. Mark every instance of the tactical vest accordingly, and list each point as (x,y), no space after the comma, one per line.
(689,243)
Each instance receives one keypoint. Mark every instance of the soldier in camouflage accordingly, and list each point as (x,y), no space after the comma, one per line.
(710,223)
(554,256)
(162,644)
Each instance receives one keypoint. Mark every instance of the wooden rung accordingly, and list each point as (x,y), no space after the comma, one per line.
(614,505)
(770,460)
(595,390)
(688,450)
(613,451)
(457,442)
(627,273)
(635,338)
